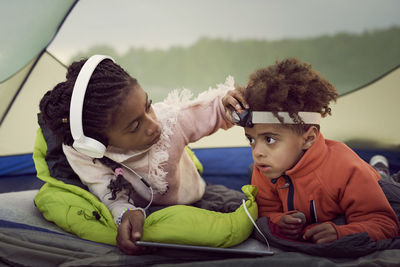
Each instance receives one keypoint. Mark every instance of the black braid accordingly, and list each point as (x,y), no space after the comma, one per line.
(107,87)
(120,183)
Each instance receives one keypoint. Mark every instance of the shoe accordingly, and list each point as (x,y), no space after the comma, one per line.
(396,178)
(381,165)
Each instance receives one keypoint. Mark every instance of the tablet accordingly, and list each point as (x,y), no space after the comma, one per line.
(250,247)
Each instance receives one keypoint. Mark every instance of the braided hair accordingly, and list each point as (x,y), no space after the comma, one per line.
(107,87)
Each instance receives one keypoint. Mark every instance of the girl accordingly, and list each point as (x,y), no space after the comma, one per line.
(128,152)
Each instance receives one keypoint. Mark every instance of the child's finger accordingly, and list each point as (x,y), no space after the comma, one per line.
(234,99)
(240,98)
(136,236)
(124,239)
(300,216)
(289,219)
(231,101)
(310,233)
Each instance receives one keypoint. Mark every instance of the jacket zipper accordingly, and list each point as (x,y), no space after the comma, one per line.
(290,198)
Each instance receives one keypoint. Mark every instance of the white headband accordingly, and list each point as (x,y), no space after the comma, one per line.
(269,117)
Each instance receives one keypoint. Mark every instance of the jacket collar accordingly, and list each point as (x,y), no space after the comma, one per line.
(311,159)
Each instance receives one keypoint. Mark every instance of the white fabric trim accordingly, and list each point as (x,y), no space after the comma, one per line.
(269,117)
(158,153)
(184,97)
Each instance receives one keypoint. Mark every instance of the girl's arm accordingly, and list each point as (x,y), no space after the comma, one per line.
(206,114)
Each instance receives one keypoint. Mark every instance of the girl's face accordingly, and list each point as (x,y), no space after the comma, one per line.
(277,149)
(135,126)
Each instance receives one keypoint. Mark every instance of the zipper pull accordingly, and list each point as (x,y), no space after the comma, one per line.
(313,212)
(287,180)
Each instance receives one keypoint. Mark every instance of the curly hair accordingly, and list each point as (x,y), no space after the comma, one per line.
(107,87)
(292,86)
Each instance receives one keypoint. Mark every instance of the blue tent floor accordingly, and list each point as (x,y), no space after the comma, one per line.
(19,183)
(227,166)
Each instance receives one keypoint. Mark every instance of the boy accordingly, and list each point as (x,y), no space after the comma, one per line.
(296,170)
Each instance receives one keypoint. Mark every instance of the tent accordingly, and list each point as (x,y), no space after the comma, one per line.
(27,75)
(365,118)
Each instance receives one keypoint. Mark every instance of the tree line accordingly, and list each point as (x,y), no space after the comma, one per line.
(347,60)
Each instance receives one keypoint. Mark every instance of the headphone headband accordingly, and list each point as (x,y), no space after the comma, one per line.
(82,143)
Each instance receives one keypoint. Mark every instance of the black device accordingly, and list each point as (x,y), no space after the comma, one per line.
(243,118)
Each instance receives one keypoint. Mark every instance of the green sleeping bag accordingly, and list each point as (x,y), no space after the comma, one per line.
(194,226)
(77,211)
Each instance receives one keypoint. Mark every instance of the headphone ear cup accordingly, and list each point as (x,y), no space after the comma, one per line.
(83,144)
(90,147)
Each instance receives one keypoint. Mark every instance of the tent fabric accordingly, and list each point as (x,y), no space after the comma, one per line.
(365,118)
(10,87)
(367,115)
(29,26)
(36,70)
(40,71)
(20,122)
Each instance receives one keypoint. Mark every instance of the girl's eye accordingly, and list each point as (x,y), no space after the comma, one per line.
(135,127)
(149,105)
(270,140)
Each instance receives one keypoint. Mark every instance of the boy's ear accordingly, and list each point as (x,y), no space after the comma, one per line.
(310,137)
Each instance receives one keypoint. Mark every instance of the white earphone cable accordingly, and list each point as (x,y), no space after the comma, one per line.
(143,181)
(255,225)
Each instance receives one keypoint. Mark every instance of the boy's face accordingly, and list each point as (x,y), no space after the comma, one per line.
(276,149)
(135,126)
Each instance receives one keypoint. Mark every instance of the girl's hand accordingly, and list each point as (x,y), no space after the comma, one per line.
(234,100)
(321,233)
(130,231)
(290,226)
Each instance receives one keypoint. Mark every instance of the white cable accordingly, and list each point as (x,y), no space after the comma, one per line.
(151,199)
(255,225)
(145,182)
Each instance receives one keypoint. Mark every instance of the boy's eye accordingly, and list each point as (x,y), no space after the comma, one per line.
(270,140)
(251,140)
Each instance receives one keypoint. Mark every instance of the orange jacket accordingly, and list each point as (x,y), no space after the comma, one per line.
(328,181)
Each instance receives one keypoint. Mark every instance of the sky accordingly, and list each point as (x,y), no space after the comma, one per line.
(160,24)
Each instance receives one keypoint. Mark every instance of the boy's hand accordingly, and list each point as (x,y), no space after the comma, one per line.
(234,100)
(321,233)
(130,231)
(291,226)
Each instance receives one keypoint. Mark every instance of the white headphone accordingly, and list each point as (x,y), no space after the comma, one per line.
(83,144)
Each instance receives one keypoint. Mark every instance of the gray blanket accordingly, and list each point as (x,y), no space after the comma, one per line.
(27,239)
